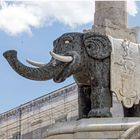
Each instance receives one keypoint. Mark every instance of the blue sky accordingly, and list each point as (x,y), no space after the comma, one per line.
(34,41)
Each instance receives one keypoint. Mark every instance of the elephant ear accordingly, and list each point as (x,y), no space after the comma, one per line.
(97,46)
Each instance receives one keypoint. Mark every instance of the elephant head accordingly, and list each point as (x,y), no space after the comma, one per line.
(69,57)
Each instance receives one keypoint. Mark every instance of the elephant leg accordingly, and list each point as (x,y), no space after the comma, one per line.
(101,102)
(84,100)
(101,97)
(132,112)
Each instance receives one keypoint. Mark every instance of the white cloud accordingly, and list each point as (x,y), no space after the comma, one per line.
(132,7)
(20,16)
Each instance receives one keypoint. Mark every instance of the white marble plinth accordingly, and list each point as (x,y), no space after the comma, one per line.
(93,128)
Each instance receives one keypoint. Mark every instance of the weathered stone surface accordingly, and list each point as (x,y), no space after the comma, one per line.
(122,33)
(111,19)
(92,128)
(125,71)
(113,13)
(132,133)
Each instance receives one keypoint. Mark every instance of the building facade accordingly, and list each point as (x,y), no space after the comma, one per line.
(32,119)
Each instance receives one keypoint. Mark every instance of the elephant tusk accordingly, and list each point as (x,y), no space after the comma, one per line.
(36,64)
(61,58)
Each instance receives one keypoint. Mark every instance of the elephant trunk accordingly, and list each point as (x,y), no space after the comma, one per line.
(43,73)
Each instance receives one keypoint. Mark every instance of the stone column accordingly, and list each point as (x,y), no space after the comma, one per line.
(110,18)
(110,14)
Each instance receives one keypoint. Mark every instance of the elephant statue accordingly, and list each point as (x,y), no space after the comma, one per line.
(86,56)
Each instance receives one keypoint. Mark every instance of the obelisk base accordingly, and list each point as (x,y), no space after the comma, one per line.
(94,128)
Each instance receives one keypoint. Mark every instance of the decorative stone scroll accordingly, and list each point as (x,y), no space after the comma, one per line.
(125,71)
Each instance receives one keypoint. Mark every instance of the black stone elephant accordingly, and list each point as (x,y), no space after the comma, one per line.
(86,56)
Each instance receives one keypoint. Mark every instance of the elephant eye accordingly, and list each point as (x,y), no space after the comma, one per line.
(67,41)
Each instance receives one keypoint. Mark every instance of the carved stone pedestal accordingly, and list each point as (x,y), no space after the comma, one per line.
(95,128)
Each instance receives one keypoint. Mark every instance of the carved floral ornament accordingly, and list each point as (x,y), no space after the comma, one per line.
(125,75)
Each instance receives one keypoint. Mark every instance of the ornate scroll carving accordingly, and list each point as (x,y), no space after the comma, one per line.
(125,75)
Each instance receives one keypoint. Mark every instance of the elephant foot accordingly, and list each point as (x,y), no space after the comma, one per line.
(100,113)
